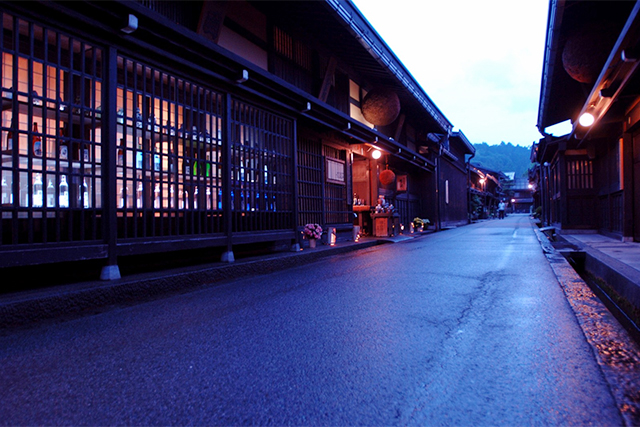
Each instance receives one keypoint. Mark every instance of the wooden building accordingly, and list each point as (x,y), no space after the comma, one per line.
(485,192)
(145,127)
(589,179)
(453,181)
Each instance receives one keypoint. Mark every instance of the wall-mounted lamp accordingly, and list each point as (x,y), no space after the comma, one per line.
(376,154)
(243,76)
(586,119)
(131,24)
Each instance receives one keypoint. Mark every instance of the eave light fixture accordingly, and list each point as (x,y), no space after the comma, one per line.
(131,24)
(586,119)
(376,154)
(242,76)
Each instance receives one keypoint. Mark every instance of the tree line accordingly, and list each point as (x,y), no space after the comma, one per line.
(504,157)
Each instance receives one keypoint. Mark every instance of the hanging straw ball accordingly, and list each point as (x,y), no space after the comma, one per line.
(587,49)
(381,106)
(387,177)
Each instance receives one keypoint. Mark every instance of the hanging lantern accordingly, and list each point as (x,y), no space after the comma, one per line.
(387,177)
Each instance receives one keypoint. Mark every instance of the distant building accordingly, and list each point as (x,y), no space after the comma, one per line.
(521,196)
(485,192)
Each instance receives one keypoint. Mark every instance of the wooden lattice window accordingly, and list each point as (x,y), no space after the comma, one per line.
(292,60)
(169,151)
(261,169)
(51,135)
(579,174)
(310,191)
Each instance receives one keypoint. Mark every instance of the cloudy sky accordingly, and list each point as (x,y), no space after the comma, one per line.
(480,61)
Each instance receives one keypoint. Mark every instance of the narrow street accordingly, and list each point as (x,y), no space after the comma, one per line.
(463,327)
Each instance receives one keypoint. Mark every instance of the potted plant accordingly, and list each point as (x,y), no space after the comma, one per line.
(419,223)
(312,232)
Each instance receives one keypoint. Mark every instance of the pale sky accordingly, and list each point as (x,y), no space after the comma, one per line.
(480,61)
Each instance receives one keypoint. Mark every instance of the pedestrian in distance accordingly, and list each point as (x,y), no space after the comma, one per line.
(501,208)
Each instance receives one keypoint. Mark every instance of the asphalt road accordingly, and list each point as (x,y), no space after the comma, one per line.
(463,327)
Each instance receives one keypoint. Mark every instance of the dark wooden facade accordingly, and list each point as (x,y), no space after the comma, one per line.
(454,181)
(589,179)
(209,125)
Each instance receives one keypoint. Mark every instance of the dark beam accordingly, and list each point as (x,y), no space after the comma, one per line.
(328,79)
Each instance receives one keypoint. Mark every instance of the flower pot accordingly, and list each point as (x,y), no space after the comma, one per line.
(312,243)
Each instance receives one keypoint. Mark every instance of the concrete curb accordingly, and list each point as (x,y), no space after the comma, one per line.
(616,353)
(23,308)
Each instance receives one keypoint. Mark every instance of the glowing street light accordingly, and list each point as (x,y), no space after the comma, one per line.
(586,119)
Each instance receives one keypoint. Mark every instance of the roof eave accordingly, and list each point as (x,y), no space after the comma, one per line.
(554,21)
(362,30)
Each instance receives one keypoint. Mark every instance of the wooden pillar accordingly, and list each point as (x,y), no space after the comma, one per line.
(110,271)
(295,246)
(227,256)
(373,182)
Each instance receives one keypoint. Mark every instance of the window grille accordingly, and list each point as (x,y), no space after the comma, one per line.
(617,211)
(292,60)
(611,212)
(261,175)
(407,209)
(169,172)
(579,174)
(50,136)
(310,197)
(605,213)
(184,13)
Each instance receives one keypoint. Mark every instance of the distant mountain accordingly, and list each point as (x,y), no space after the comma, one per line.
(505,157)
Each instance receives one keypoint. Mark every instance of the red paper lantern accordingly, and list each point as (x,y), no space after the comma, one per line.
(387,177)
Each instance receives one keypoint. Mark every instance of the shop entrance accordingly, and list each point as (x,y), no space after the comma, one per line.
(362,194)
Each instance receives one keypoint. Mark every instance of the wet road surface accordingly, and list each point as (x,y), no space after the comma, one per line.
(463,327)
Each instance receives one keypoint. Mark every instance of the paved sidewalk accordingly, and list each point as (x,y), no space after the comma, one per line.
(625,252)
